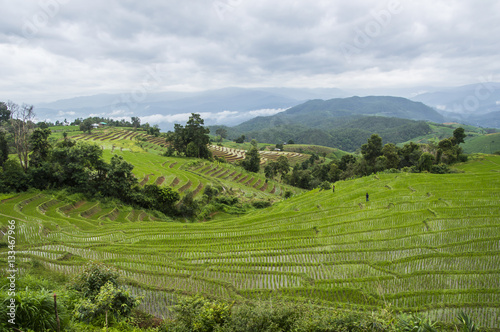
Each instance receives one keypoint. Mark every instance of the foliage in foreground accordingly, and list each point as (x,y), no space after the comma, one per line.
(94,299)
(198,314)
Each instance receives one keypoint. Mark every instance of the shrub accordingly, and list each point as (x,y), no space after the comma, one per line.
(93,277)
(261,204)
(325,185)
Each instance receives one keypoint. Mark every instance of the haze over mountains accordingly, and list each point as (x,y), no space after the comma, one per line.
(477,104)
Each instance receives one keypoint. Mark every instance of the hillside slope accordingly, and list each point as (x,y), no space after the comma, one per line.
(423,242)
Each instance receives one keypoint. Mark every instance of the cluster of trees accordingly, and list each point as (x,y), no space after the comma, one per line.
(346,133)
(78,167)
(376,157)
(135,122)
(191,140)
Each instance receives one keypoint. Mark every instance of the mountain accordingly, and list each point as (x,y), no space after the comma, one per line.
(321,113)
(341,123)
(475,104)
(229,106)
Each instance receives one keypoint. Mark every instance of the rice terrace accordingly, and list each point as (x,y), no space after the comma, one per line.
(423,243)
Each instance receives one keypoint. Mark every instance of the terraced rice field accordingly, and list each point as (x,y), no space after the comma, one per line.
(232,155)
(424,242)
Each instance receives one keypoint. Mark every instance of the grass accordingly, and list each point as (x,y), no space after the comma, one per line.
(483,144)
(424,242)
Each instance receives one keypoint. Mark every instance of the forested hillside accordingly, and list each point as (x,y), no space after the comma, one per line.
(345,133)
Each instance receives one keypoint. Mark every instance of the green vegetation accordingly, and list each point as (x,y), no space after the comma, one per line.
(489,143)
(424,248)
(424,243)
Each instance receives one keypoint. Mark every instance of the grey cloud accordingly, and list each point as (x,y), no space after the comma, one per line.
(85,47)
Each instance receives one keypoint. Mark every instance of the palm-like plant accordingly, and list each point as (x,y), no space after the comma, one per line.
(466,322)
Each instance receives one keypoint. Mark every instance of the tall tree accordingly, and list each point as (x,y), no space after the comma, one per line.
(22,124)
(222,132)
(252,160)
(282,166)
(4,113)
(459,135)
(4,147)
(372,149)
(136,122)
(40,145)
(86,125)
(191,140)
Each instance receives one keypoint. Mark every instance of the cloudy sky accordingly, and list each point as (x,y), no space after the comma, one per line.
(53,49)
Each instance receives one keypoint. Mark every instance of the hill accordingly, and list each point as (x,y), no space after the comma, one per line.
(483,144)
(475,104)
(345,133)
(145,152)
(341,123)
(424,242)
(314,113)
(228,106)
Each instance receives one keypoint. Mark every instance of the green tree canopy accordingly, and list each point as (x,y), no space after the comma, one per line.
(372,149)
(195,133)
(459,135)
(252,160)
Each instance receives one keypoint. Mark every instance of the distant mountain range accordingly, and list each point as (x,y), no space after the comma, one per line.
(475,104)
(228,106)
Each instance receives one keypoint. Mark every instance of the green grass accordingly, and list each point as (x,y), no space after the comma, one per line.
(482,144)
(424,242)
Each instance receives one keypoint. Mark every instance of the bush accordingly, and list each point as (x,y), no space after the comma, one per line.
(325,185)
(264,317)
(93,277)
(440,169)
(199,314)
(227,200)
(261,204)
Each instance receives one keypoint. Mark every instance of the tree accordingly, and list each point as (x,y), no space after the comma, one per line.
(4,148)
(282,166)
(372,149)
(240,139)
(4,113)
(98,284)
(40,146)
(409,155)
(110,299)
(390,152)
(93,277)
(459,135)
(153,131)
(346,160)
(22,124)
(252,160)
(194,132)
(119,179)
(222,132)
(425,162)
(136,122)
(86,125)
(163,198)
(270,170)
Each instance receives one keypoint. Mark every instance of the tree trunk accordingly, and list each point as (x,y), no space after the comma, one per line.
(57,316)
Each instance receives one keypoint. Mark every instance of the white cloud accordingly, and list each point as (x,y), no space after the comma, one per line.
(90,47)
(266,112)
